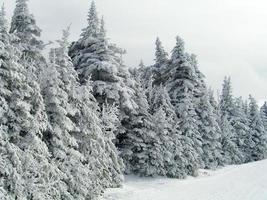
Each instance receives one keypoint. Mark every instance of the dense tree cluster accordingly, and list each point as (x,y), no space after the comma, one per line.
(55,141)
(72,124)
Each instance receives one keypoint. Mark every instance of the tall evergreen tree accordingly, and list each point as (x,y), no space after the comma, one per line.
(210,129)
(140,145)
(226,99)
(258,140)
(76,136)
(161,56)
(181,89)
(241,128)
(26,171)
(233,126)
(24,26)
(230,152)
(165,121)
(93,56)
(263,113)
(59,139)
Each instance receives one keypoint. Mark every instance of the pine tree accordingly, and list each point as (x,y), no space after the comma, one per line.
(92,29)
(181,90)
(232,127)
(241,126)
(161,57)
(211,132)
(226,99)
(3,20)
(80,125)
(93,56)
(24,26)
(230,150)
(94,138)
(200,85)
(110,123)
(61,143)
(258,140)
(263,113)
(25,161)
(165,121)
(139,145)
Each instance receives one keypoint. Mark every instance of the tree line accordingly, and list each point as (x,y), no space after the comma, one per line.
(73,124)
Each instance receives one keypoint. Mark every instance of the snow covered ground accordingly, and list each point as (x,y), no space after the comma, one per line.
(244,182)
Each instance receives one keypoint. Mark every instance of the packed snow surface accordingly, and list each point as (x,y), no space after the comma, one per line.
(244,182)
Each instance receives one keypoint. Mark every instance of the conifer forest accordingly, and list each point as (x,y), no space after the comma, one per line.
(75,122)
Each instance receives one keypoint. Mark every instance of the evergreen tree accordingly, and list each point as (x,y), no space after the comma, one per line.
(94,136)
(3,20)
(226,99)
(26,172)
(211,132)
(230,150)
(161,57)
(165,121)
(140,144)
(24,26)
(233,127)
(181,89)
(61,143)
(241,126)
(200,85)
(93,56)
(110,123)
(257,142)
(263,113)
(76,136)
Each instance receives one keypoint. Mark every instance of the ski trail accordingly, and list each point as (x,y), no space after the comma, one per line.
(244,182)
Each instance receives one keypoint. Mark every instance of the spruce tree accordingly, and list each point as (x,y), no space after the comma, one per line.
(24,26)
(230,151)
(181,89)
(93,56)
(25,161)
(91,149)
(211,132)
(258,140)
(233,126)
(161,57)
(263,113)
(165,121)
(140,144)
(241,126)
(62,144)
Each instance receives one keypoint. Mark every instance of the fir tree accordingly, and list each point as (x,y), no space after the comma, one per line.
(181,90)
(233,126)
(241,126)
(24,26)
(211,132)
(92,149)
(165,121)
(263,113)
(61,143)
(24,157)
(258,138)
(139,145)
(93,56)
(161,57)
(230,151)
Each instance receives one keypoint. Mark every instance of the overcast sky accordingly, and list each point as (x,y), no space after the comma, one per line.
(228,36)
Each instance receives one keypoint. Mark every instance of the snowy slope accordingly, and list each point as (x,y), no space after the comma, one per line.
(245,182)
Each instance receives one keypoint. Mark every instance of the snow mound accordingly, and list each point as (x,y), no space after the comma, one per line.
(244,182)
